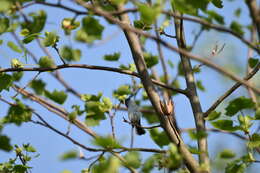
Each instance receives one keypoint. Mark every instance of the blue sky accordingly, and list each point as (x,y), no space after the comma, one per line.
(51,145)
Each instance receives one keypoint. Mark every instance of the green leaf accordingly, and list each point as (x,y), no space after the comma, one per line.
(1,42)
(69,155)
(17,76)
(224,125)
(92,27)
(149,164)
(20,168)
(227,154)
(106,142)
(14,47)
(82,36)
(95,112)
(70,54)
(57,96)
(215,16)
(160,138)
(254,141)
(4,24)
(37,23)
(257,114)
(239,104)
(133,159)
(180,69)
(91,97)
(5,81)
(110,165)
(18,114)
(5,143)
(175,160)
(217,3)
(213,116)
(237,12)
(189,6)
(200,86)
(50,39)
(15,63)
(237,27)
(149,13)
(150,60)
(46,62)
(235,166)
(122,92)
(38,86)
(141,25)
(29,148)
(252,62)
(5,5)
(24,32)
(107,104)
(69,24)
(112,57)
(245,123)
(31,37)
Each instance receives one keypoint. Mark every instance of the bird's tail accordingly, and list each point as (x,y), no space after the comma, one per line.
(139,129)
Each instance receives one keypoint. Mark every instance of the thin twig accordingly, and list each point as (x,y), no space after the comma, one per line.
(28,84)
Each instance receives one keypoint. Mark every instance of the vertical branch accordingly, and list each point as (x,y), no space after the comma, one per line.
(250,54)
(192,92)
(255,14)
(172,133)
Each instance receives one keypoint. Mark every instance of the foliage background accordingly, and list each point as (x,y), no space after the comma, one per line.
(50,145)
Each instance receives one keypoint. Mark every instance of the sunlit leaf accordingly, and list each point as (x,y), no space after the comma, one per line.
(106,142)
(57,96)
(50,39)
(133,159)
(14,47)
(69,155)
(227,154)
(46,62)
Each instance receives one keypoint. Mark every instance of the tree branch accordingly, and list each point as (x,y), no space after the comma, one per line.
(91,67)
(55,109)
(192,93)
(231,90)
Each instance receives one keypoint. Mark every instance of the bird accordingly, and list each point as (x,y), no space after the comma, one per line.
(134,115)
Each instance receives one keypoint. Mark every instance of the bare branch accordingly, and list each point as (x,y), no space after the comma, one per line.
(91,67)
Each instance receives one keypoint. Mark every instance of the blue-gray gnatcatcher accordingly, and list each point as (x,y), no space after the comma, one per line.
(134,115)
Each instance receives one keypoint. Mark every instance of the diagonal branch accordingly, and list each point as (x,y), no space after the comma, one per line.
(231,90)
(55,109)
